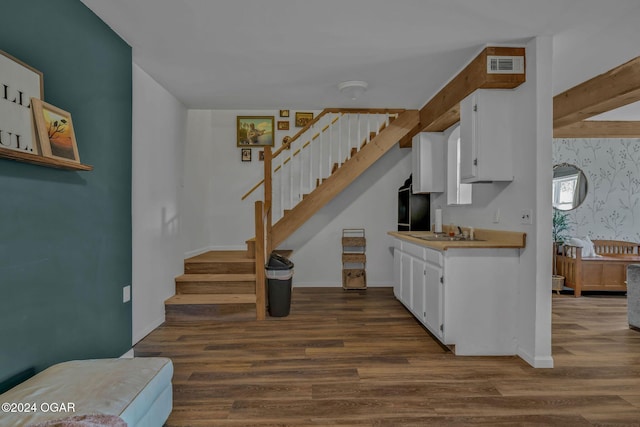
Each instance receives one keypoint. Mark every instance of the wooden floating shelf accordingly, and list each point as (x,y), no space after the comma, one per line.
(36,159)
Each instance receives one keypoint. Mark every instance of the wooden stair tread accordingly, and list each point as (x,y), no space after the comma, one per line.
(240,256)
(221,277)
(204,299)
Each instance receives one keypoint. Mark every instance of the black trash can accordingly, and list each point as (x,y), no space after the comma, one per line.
(279,273)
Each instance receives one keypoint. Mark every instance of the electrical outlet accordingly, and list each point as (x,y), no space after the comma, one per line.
(526,216)
(126,293)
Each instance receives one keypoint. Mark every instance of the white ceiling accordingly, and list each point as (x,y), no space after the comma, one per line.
(270,54)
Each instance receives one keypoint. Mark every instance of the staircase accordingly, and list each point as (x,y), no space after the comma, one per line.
(300,178)
(218,285)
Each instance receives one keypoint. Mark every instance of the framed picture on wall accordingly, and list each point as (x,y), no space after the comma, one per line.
(54,131)
(303,118)
(261,155)
(246,154)
(255,131)
(284,113)
(283,125)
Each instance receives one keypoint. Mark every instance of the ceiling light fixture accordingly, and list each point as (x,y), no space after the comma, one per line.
(353,88)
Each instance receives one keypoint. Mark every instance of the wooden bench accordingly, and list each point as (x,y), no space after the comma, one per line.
(605,273)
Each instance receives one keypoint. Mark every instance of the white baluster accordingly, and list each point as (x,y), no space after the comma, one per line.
(311,186)
(359,137)
(340,158)
(282,183)
(330,146)
(320,159)
(349,137)
(301,169)
(368,128)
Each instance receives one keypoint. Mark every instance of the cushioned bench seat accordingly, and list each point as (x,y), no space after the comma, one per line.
(137,390)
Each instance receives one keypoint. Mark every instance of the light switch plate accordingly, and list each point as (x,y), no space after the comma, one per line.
(126,293)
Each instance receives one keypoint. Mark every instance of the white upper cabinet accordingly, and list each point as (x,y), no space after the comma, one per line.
(486,134)
(428,162)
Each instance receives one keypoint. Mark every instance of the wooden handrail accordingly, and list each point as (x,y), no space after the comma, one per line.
(287,144)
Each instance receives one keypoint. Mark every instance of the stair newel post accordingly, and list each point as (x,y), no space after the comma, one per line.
(281,210)
(260,259)
(268,192)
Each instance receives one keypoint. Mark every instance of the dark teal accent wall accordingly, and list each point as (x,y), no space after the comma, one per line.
(65,237)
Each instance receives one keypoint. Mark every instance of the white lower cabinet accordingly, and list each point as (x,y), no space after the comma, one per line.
(466,298)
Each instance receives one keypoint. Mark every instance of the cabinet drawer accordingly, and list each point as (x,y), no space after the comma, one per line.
(416,251)
(432,256)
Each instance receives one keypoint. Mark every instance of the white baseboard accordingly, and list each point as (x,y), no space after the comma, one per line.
(138,336)
(128,355)
(334,285)
(536,362)
(196,252)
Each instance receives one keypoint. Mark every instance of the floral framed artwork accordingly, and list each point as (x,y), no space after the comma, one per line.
(284,113)
(303,118)
(283,125)
(54,131)
(245,154)
(255,131)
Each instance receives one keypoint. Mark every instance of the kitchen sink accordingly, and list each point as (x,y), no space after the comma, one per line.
(444,238)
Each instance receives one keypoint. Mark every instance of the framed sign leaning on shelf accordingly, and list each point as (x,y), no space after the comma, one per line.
(19,82)
(54,130)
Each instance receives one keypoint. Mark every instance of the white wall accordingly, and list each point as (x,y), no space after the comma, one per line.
(216,218)
(216,179)
(159,126)
(530,189)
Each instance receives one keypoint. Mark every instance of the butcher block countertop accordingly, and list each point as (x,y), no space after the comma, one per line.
(483,238)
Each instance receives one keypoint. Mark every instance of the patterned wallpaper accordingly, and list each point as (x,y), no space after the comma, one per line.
(612,166)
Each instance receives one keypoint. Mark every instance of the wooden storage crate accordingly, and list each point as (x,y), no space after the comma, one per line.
(354,259)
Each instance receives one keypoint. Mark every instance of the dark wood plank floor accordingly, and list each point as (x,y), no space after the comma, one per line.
(358,358)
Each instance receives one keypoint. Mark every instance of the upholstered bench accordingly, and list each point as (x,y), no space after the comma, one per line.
(137,390)
(633,295)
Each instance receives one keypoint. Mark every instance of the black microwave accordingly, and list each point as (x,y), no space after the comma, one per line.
(413,209)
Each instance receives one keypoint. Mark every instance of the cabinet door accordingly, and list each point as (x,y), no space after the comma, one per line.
(434,299)
(468,138)
(486,133)
(418,288)
(397,273)
(428,161)
(405,279)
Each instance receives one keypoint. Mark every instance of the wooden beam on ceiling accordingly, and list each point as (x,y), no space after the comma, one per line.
(599,129)
(615,88)
(443,110)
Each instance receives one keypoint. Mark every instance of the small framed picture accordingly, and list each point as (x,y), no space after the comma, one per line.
(246,154)
(54,131)
(284,113)
(303,118)
(283,124)
(255,131)
(261,155)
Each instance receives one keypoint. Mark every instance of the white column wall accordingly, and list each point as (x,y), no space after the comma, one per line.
(159,126)
(530,189)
